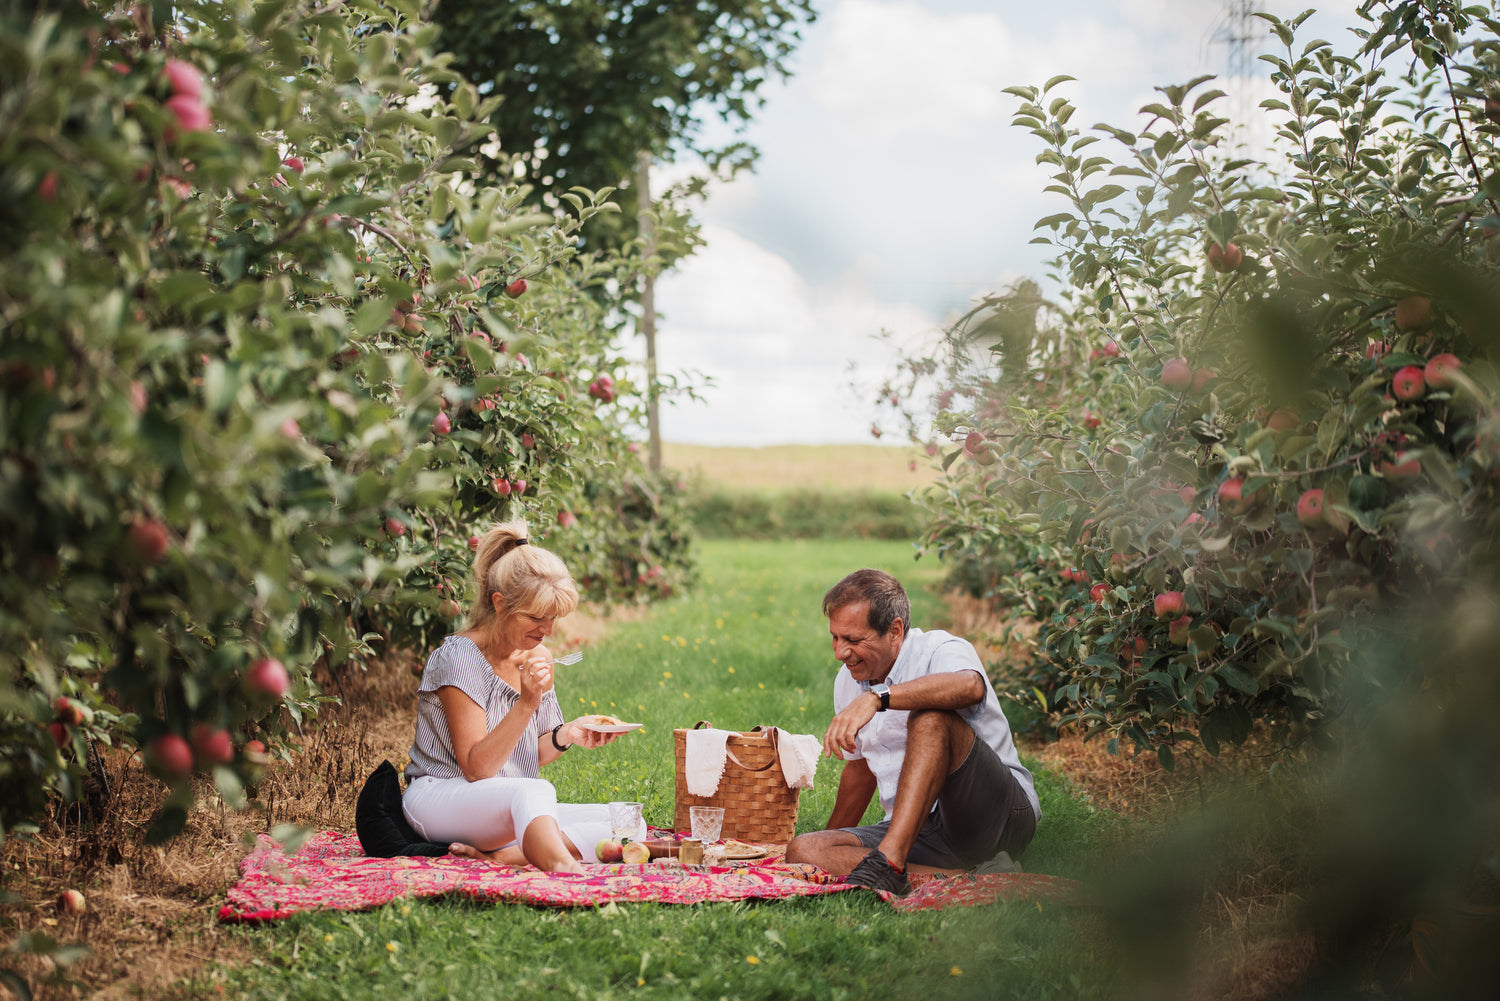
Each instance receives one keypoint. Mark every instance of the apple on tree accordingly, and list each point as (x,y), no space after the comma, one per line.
(1177,630)
(212,744)
(149,538)
(1414,313)
(268,677)
(1170,604)
(1408,384)
(1310,507)
(603,389)
(1439,371)
(1226,258)
(1177,374)
(1403,468)
(1283,420)
(183,78)
(1232,495)
(170,756)
(516,289)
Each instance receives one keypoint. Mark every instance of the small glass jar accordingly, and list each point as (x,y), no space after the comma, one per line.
(690,851)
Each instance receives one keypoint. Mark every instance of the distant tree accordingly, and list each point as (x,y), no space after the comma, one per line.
(587,85)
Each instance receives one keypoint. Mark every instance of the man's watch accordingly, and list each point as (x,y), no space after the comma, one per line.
(884,691)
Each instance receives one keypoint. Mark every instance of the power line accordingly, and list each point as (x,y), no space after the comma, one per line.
(1241,34)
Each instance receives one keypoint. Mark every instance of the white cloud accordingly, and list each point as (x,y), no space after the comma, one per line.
(891,69)
(777,347)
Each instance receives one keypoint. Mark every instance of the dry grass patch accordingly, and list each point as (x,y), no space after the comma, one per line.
(779,468)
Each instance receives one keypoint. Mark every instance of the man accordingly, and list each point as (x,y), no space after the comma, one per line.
(916,719)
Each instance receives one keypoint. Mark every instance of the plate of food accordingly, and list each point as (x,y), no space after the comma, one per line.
(739,850)
(599,723)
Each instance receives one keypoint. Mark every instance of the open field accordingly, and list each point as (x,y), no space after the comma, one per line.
(750,646)
(777,469)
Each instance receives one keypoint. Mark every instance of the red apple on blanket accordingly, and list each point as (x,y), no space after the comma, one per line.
(609,850)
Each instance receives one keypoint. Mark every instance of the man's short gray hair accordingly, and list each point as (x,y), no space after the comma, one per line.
(887,598)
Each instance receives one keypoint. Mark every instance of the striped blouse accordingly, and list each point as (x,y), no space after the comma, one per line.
(459,662)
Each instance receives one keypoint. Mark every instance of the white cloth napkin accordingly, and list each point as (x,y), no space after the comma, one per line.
(703,760)
(799,757)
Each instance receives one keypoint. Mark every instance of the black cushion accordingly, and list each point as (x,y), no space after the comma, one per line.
(381,826)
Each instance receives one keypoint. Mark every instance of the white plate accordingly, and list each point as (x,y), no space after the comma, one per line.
(611,727)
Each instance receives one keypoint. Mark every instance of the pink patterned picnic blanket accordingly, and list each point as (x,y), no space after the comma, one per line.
(331,871)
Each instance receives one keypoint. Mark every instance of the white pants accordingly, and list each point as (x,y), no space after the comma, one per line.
(494,813)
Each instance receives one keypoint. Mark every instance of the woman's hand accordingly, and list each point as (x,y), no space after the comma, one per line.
(575,733)
(536,678)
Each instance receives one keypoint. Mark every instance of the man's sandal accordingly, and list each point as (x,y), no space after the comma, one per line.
(876,873)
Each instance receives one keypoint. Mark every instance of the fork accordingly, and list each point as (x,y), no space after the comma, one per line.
(569,658)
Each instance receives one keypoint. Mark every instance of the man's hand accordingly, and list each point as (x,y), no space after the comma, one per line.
(839,736)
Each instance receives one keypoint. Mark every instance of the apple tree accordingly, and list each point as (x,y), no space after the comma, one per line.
(1258,413)
(267,352)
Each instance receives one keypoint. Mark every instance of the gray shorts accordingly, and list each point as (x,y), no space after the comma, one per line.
(981,811)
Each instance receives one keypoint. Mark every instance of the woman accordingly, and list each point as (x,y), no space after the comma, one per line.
(488,719)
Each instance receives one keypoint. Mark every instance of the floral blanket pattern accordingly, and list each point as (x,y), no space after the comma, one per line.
(330,871)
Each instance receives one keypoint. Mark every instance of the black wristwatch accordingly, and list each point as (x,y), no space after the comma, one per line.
(554,737)
(884,691)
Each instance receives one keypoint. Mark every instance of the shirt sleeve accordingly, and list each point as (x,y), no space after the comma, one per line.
(548,713)
(957,654)
(459,665)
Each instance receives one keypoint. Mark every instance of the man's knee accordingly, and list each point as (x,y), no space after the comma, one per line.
(813,846)
(940,725)
(798,849)
(931,720)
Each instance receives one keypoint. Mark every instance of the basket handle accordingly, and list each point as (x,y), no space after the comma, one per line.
(769,731)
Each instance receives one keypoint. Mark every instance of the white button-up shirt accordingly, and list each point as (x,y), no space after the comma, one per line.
(882,742)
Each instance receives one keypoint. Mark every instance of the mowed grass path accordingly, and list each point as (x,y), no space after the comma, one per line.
(749,646)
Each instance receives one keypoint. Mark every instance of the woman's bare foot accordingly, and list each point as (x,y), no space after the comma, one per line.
(510,855)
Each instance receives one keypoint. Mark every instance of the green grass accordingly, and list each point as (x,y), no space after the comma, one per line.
(750,646)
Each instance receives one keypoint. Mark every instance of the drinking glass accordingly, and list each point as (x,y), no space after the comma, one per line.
(707,822)
(626,820)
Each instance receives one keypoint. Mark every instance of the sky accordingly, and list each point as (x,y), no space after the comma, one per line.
(892,192)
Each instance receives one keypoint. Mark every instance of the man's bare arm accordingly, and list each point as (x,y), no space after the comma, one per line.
(856,786)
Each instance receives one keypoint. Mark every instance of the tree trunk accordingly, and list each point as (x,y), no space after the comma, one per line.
(647,227)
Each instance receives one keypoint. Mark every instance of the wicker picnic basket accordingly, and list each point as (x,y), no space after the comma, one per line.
(757,804)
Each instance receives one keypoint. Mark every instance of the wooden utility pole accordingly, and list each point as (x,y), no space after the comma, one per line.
(647,226)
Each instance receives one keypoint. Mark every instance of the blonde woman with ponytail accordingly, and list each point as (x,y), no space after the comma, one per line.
(488,720)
